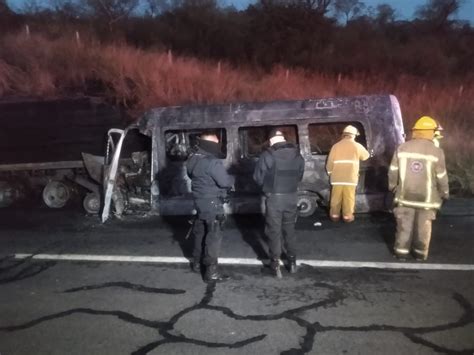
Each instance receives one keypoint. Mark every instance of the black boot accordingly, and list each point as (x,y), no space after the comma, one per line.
(213,275)
(275,268)
(292,268)
(196,266)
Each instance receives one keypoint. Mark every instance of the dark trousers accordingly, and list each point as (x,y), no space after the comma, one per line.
(207,235)
(207,230)
(280,219)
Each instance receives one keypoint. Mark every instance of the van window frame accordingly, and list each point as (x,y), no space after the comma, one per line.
(168,129)
(357,123)
(244,147)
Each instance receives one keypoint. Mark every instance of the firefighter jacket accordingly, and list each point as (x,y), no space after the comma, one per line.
(209,178)
(279,169)
(343,162)
(417,175)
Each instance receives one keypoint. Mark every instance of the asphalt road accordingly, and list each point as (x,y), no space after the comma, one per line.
(141,306)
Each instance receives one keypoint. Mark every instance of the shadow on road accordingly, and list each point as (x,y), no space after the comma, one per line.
(250,227)
(252,230)
(386,227)
(181,227)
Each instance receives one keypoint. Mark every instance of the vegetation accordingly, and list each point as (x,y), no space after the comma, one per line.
(272,50)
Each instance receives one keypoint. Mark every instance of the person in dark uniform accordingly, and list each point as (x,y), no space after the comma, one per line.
(278,171)
(209,184)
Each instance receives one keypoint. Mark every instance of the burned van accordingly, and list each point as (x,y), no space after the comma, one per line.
(314,125)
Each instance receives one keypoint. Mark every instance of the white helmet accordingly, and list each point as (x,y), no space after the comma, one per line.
(351,130)
(276,136)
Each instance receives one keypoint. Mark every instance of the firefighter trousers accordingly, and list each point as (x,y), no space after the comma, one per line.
(280,219)
(342,196)
(413,231)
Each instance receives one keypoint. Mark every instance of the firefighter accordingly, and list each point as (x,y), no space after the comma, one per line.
(209,184)
(278,172)
(343,170)
(419,180)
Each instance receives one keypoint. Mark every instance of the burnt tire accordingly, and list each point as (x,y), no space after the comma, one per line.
(56,194)
(307,205)
(91,203)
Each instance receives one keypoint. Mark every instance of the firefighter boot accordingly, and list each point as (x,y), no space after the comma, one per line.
(213,275)
(420,256)
(292,264)
(275,268)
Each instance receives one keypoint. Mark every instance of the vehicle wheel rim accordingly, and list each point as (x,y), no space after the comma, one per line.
(92,203)
(56,194)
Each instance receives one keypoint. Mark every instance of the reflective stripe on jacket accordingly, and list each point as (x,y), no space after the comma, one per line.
(418,173)
(343,162)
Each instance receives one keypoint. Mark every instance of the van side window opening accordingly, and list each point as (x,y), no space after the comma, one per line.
(181,143)
(322,136)
(254,140)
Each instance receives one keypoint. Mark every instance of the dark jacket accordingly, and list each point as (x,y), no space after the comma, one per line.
(209,178)
(279,169)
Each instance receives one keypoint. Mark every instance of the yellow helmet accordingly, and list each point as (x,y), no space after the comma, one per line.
(427,123)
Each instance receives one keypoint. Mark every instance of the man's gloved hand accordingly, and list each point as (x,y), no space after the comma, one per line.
(227,195)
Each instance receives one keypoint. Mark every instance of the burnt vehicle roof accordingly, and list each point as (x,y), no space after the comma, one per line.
(369,107)
(381,113)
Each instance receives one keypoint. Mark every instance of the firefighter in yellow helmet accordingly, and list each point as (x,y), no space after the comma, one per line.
(418,177)
(343,169)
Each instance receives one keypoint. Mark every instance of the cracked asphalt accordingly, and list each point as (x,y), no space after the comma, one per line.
(81,307)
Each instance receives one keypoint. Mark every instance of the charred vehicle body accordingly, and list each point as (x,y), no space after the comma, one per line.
(156,180)
(40,150)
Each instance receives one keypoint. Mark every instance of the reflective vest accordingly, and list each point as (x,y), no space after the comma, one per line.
(343,162)
(418,175)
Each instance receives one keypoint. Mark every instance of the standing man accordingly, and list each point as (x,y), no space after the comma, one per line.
(278,171)
(209,184)
(418,177)
(343,170)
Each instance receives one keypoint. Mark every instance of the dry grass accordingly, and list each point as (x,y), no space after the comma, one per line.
(36,66)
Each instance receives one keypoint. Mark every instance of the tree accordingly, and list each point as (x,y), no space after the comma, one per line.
(438,12)
(385,14)
(68,9)
(4,9)
(348,8)
(156,7)
(31,7)
(112,10)
(321,6)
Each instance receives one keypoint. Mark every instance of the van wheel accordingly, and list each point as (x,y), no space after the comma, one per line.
(91,203)
(307,204)
(56,194)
